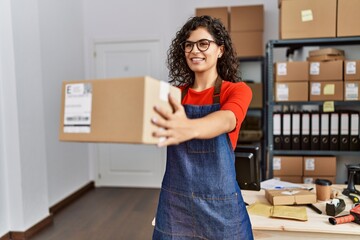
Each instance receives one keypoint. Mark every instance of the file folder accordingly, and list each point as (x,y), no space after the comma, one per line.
(277,131)
(295,131)
(286,131)
(354,132)
(305,131)
(324,131)
(334,131)
(315,131)
(344,131)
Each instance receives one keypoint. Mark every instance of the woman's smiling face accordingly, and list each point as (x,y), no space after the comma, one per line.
(202,61)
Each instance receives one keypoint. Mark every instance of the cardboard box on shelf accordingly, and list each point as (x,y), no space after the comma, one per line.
(307,19)
(319,166)
(290,196)
(248,44)
(291,91)
(325,58)
(352,90)
(287,165)
(291,71)
(311,179)
(292,179)
(352,70)
(257,90)
(326,91)
(326,71)
(113,110)
(326,51)
(247,18)
(348,18)
(221,13)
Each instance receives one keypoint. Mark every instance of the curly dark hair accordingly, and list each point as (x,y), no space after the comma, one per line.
(227,66)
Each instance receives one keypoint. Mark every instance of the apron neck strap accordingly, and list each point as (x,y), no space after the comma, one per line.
(216,94)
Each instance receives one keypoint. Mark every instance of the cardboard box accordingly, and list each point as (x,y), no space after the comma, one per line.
(248,44)
(326,71)
(221,13)
(352,70)
(326,51)
(291,91)
(307,19)
(319,166)
(292,179)
(352,90)
(112,110)
(247,18)
(326,91)
(290,196)
(311,179)
(291,71)
(287,165)
(348,18)
(257,91)
(325,58)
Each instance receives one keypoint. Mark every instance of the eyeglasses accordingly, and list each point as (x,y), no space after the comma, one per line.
(202,45)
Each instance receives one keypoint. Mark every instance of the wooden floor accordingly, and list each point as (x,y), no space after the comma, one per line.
(106,214)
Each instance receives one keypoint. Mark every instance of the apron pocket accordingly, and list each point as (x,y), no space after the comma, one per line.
(174,216)
(218,217)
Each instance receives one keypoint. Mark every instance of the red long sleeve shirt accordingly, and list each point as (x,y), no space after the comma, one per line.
(235,97)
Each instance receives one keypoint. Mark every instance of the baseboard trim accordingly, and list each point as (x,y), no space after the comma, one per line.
(5,237)
(72,198)
(49,219)
(33,230)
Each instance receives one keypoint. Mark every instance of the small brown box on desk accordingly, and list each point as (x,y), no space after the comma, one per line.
(289,196)
(113,110)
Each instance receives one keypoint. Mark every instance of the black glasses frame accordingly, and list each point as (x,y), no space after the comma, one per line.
(197,45)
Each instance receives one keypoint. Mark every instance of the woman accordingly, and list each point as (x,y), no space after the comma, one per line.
(200,198)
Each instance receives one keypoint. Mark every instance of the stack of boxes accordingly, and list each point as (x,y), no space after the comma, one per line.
(245,24)
(246,30)
(324,77)
(291,81)
(318,18)
(304,169)
(326,74)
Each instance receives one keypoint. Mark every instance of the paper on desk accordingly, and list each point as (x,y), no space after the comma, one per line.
(277,184)
(287,212)
(261,209)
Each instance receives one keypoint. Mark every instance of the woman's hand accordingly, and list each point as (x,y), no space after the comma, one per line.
(174,127)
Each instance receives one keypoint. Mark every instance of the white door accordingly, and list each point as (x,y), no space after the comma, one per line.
(129,165)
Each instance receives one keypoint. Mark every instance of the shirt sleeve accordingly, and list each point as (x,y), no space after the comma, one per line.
(236,98)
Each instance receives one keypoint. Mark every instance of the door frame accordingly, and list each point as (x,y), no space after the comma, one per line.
(90,73)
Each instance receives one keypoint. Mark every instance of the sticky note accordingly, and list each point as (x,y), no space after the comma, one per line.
(329,89)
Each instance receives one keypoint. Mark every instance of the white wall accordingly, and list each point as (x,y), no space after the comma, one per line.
(62,57)
(41,44)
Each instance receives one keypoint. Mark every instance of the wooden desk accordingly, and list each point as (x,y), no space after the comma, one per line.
(317,226)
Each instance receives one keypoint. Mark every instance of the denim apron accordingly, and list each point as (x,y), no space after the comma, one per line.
(200,198)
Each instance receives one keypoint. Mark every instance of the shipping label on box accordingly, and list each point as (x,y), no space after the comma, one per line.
(77,110)
(352,70)
(352,91)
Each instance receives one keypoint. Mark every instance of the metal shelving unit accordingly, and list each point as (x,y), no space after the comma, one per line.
(270,103)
